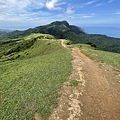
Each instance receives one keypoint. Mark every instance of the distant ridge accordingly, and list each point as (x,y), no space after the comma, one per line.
(63,30)
(5,30)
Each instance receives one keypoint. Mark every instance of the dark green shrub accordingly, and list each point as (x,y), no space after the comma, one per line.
(69,43)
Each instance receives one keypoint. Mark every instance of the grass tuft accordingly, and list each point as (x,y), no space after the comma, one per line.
(74,83)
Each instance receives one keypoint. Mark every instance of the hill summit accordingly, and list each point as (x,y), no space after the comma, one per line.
(63,30)
(60,29)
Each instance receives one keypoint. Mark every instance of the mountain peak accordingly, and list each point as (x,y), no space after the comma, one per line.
(61,23)
(65,23)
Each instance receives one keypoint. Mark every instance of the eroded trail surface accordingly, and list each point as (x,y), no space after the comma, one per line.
(97,96)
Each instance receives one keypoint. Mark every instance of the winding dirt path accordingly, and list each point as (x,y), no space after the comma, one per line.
(97,96)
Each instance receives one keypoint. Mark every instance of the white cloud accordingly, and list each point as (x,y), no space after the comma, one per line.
(60,3)
(90,2)
(79,16)
(27,10)
(20,6)
(110,1)
(69,10)
(18,10)
(117,13)
(27,13)
(99,4)
(50,4)
(85,15)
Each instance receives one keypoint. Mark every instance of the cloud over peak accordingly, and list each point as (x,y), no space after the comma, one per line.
(69,10)
(50,4)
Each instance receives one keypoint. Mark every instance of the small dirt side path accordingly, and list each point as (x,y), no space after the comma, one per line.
(62,43)
(97,96)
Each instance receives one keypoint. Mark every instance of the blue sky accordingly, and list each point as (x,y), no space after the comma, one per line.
(23,14)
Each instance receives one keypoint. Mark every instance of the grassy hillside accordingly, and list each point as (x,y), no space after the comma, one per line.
(105,57)
(30,83)
(104,42)
(11,49)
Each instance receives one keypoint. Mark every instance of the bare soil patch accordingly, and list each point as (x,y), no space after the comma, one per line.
(37,116)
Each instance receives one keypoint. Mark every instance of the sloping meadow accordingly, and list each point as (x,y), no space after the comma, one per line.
(30,83)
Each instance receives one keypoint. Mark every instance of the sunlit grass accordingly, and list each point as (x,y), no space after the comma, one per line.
(31,83)
(103,56)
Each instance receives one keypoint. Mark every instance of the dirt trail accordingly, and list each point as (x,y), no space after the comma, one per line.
(101,99)
(97,96)
(62,43)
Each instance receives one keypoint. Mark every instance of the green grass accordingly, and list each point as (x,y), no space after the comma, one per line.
(98,55)
(103,56)
(11,50)
(74,83)
(31,82)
